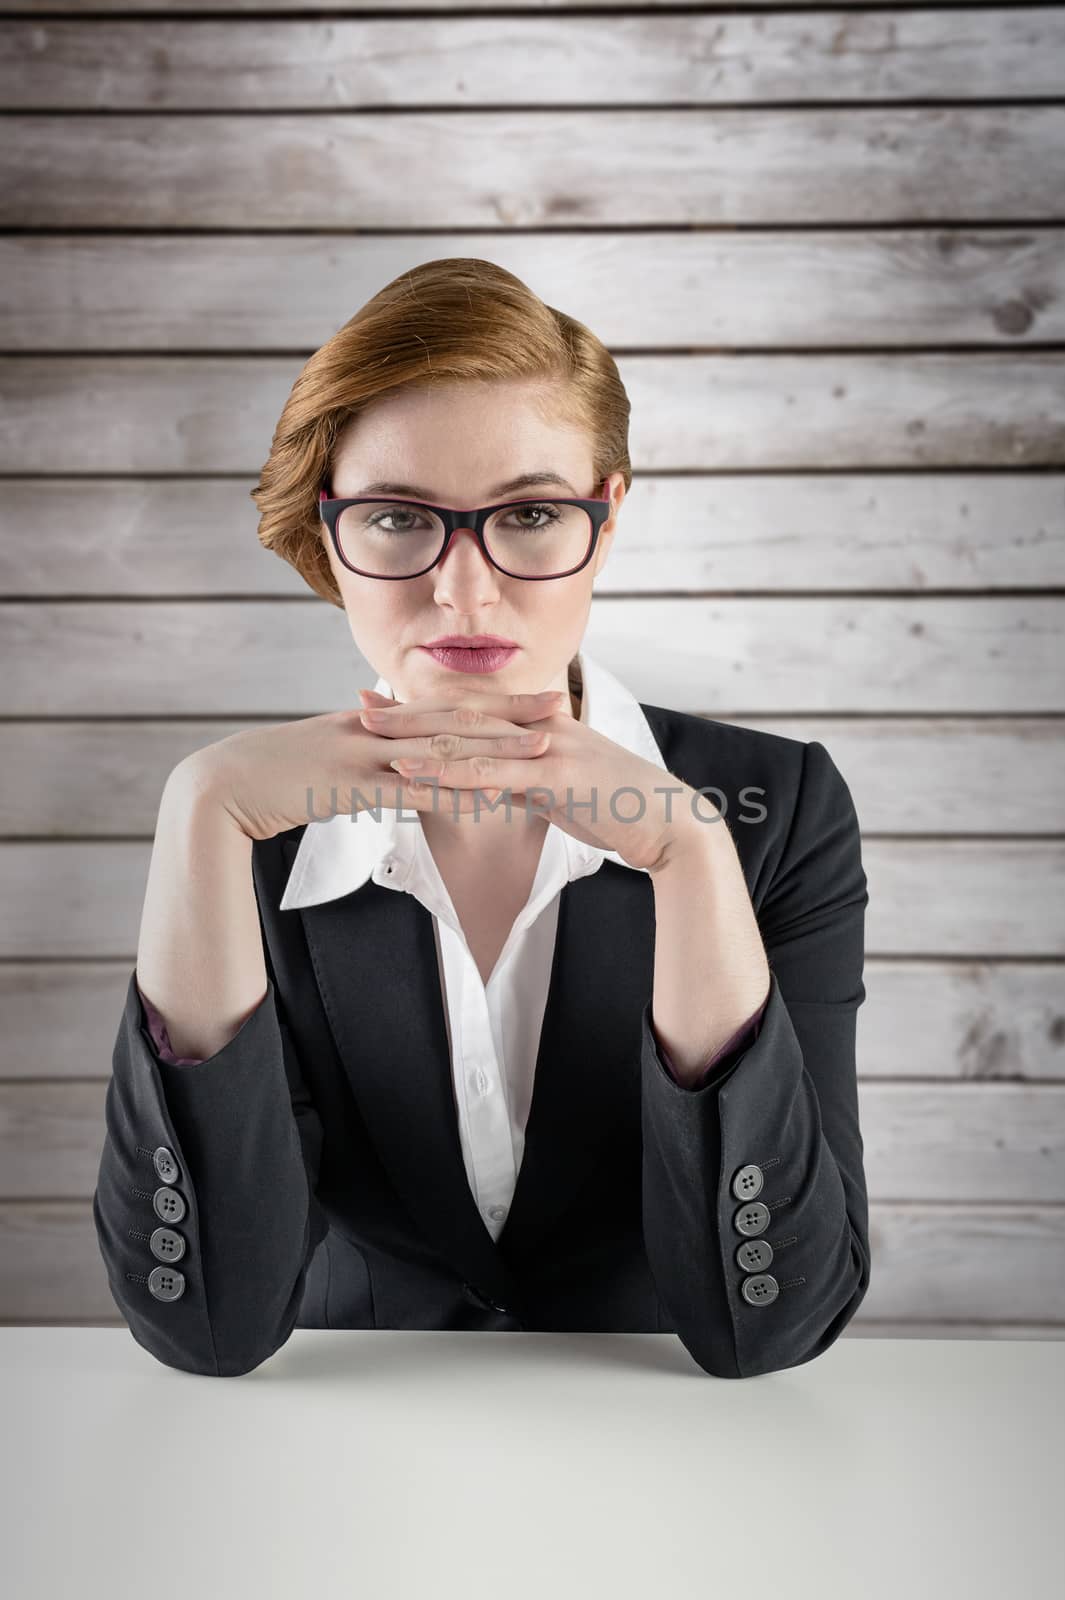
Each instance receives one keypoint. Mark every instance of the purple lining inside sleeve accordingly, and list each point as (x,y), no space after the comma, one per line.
(741,1040)
(161,1039)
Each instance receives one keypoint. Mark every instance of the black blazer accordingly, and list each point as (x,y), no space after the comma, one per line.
(311,1175)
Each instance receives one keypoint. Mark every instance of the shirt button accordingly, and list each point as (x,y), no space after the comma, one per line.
(497,1213)
(482,1082)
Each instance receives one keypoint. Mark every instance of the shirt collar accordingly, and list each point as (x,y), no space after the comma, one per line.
(340,853)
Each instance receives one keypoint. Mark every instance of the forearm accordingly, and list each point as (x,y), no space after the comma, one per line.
(710,969)
(199,953)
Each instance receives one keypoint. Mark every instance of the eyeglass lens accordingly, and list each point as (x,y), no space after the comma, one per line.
(529,539)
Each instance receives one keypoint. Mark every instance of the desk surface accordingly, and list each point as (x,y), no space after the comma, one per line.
(423,1466)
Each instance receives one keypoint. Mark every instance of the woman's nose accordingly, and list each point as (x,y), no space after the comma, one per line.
(475,562)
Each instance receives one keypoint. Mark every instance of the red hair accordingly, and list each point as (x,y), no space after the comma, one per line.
(458,318)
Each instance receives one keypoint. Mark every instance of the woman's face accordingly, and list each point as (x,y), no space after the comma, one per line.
(458,445)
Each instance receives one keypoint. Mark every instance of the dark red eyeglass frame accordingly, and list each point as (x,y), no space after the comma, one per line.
(474,519)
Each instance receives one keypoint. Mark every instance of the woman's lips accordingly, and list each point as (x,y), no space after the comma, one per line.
(487,659)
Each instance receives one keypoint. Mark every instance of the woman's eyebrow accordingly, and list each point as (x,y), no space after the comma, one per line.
(527,480)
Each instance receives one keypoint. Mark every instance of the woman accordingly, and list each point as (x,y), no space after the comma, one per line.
(555,1039)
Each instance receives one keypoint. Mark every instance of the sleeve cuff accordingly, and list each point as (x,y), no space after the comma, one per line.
(161,1039)
(723,1060)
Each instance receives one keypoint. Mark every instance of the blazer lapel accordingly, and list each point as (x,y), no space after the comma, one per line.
(374,955)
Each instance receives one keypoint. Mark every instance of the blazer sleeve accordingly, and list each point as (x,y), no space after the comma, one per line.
(722,1061)
(238,1141)
(160,1036)
(777,1130)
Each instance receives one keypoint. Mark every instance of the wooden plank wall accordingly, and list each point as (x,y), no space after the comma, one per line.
(826,248)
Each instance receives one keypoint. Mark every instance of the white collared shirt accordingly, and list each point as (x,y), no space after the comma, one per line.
(493,1028)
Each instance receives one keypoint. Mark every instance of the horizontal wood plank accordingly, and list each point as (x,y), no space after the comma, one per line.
(521,169)
(891,287)
(889,55)
(951,1021)
(264,8)
(928,897)
(103,779)
(966,1262)
(213,414)
(979,1143)
(769,533)
(770,656)
(968,1020)
(957,1263)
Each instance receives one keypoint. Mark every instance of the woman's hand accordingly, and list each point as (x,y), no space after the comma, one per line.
(587,785)
(274,778)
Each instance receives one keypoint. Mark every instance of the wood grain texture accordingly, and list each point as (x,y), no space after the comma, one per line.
(251,9)
(102,778)
(979,1142)
(543,61)
(963,532)
(965,1263)
(892,288)
(211,414)
(506,169)
(997,897)
(752,655)
(924,1020)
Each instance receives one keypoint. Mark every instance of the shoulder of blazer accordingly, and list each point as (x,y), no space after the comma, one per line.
(752,776)
(702,751)
(785,802)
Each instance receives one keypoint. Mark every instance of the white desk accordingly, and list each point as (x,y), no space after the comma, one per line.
(424,1466)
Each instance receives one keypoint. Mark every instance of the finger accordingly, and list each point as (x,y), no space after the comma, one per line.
(429,795)
(373,698)
(418,718)
(474,773)
(488,703)
(512,746)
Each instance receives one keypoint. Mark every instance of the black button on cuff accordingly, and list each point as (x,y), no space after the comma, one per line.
(754,1255)
(165,1283)
(165,1165)
(166,1245)
(747,1184)
(169,1204)
(760,1290)
(751,1219)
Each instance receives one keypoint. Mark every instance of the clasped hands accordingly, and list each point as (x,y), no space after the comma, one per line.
(589,786)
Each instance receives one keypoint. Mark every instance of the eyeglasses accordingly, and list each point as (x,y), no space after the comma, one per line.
(400,539)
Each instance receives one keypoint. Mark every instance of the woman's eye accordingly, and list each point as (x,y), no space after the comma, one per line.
(542,513)
(390,518)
